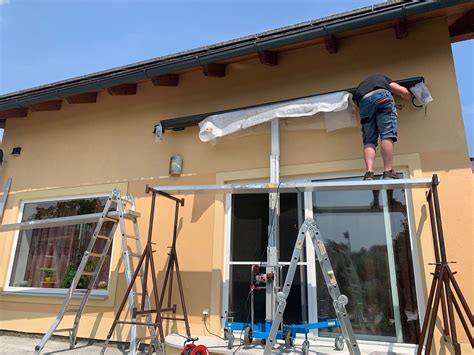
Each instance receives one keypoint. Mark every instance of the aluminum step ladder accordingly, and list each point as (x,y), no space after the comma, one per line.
(118,218)
(133,298)
(339,300)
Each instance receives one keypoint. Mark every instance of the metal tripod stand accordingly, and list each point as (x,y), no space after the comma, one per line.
(173,267)
(441,290)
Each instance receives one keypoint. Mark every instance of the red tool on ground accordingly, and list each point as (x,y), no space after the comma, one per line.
(193,349)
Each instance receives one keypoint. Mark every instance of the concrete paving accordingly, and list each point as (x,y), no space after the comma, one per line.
(17,343)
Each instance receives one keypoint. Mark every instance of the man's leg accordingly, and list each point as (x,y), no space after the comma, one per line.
(387,153)
(369,156)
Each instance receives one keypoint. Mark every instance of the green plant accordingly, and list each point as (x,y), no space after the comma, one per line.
(48,273)
(69,276)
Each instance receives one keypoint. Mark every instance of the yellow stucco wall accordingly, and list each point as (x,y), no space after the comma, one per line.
(110,142)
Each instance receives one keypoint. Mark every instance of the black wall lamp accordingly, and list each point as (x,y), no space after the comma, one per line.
(16,151)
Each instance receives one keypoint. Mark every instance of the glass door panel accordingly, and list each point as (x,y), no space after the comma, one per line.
(367,238)
(249,238)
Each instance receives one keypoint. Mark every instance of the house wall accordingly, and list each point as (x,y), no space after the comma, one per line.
(96,146)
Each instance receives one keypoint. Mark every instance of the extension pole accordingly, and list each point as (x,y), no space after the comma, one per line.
(274,217)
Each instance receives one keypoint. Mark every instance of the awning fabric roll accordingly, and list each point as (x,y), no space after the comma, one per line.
(221,125)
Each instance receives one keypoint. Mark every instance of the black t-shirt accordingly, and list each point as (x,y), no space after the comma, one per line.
(372,83)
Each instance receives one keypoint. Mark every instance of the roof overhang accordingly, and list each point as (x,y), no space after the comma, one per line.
(119,81)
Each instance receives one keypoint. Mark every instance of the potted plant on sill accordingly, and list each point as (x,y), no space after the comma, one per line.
(48,277)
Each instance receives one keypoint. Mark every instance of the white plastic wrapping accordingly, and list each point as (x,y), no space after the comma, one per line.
(221,125)
(422,93)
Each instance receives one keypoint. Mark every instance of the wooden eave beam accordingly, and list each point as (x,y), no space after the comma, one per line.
(53,105)
(84,98)
(401,28)
(166,80)
(123,89)
(268,58)
(463,28)
(14,113)
(214,70)
(331,44)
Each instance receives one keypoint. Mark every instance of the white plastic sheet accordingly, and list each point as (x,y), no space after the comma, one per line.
(221,125)
(422,93)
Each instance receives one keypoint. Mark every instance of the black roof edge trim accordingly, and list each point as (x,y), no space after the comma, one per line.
(180,123)
(187,61)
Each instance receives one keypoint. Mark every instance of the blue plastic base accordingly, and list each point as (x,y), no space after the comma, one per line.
(262,330)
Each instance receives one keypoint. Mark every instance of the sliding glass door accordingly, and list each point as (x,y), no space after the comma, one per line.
(368,240)
(248,243)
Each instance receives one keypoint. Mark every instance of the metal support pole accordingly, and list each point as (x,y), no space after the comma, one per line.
(3,201)
(437,209)
(274,217)
(429,198)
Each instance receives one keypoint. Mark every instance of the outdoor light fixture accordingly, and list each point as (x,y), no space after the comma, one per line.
(16,151)
(176,165)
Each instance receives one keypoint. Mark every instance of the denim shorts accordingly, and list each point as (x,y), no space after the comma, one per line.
(378,117)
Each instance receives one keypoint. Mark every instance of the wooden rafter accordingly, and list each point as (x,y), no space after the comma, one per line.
(463,28)
(331,44)
(14,112)
(84,98)
(214,69)
(123,89)
(53,105)
(166,80)
(268,57)
(401,28)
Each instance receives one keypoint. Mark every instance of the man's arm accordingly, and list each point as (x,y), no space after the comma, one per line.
(400,90)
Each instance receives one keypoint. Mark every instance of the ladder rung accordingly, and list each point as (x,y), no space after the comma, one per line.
(96,255)
(172,309)
(131,236)
(131,214)
(88,273)
(134,254)
(103,237)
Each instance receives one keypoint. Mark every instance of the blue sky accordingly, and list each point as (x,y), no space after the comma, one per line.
(42,41)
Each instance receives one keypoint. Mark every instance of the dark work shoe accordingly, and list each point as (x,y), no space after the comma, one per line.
(369,175)
(390,174)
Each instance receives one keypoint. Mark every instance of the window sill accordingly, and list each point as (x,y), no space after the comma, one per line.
(41,292)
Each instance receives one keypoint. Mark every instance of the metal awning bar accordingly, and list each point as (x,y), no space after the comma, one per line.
(283,187)
(55,222)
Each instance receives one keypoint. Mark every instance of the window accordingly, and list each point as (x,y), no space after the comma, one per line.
(48,257)
(367,235)
(367,238)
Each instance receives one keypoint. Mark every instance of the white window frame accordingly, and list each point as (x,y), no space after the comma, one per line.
(311,259)
(39,291)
